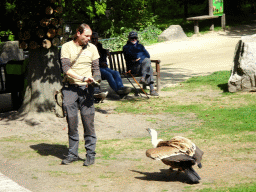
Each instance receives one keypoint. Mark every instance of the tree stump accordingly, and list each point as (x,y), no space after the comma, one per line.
(243,75)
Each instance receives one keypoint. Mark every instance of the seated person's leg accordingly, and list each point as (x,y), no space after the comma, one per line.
(115,81)
(117,77)
(147,75)
(147,71)
(136,69)
(108,76)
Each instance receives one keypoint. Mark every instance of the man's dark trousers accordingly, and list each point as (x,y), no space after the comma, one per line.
(80,98)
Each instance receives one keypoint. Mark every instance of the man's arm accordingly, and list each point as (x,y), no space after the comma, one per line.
(129,54)
(145,50)
(96,70)
(66,67)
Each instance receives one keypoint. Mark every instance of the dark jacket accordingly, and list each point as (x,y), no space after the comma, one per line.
(133,52)
(103,53)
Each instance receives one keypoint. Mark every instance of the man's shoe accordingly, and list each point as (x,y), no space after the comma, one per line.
(99,97)
(124,91)
(89,161)
(153,93)
(68,160)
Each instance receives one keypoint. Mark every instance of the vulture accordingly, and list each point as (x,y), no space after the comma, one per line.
(179,153)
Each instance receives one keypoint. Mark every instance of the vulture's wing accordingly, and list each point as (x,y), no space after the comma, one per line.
(162,152)
(179,157)
(183,144)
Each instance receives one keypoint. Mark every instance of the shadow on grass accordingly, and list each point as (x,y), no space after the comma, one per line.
(224,87)
(164,175)
(45,149)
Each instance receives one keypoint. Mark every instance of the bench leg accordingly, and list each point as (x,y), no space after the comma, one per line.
(223,22)
(196,27)
(158,83)
(212,26)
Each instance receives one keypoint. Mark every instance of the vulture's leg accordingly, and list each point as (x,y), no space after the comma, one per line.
(171,169)
(192,175)
(196,174)
(178,173)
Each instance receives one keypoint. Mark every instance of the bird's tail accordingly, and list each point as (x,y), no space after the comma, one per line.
(192,174)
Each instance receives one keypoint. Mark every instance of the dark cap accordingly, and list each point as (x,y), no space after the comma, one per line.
(132,34)
(95,34)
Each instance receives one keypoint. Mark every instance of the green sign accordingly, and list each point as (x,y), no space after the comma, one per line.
(218,7)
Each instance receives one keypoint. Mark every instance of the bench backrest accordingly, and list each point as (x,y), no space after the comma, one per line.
(117,62)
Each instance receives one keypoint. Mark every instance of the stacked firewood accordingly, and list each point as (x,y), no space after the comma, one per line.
(42,26)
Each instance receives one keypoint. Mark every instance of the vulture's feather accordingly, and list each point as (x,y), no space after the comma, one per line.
(179,152)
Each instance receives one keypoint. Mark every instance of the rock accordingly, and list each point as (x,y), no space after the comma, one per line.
(10,51)
(243,75)
(174,32)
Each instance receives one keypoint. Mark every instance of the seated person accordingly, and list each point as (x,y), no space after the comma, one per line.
(113,77)
(138,61)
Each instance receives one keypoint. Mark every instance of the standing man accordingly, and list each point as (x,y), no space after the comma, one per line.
(80,64)
(138,61)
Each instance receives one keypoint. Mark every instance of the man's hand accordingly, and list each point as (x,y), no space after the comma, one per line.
(136,60)
(88,80)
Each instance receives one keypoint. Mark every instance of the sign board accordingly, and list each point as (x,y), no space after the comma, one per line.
(218,7)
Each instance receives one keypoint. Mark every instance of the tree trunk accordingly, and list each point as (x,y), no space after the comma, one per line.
(43,78)
(185,9)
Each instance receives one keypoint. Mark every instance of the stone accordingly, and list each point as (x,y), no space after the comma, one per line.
(243,74)
(174,32)
(10,50)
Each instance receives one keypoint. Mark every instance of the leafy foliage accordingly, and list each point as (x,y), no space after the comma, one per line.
(147,36)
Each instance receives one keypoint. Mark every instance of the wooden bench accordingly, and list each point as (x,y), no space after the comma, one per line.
(199,18)
(117,62)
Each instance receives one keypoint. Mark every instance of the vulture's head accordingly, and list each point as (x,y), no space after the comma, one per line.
(153,134)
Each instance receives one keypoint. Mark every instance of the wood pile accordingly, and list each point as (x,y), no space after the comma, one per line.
(42,26)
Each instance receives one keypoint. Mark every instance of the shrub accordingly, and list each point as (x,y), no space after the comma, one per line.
(147,36)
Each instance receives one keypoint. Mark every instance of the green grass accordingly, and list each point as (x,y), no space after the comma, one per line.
(224,116)
(217,80)
(238,188)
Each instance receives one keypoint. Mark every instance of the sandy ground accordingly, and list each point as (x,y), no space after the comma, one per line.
(198,55)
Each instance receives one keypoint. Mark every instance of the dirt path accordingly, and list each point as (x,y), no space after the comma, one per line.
(132,171)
